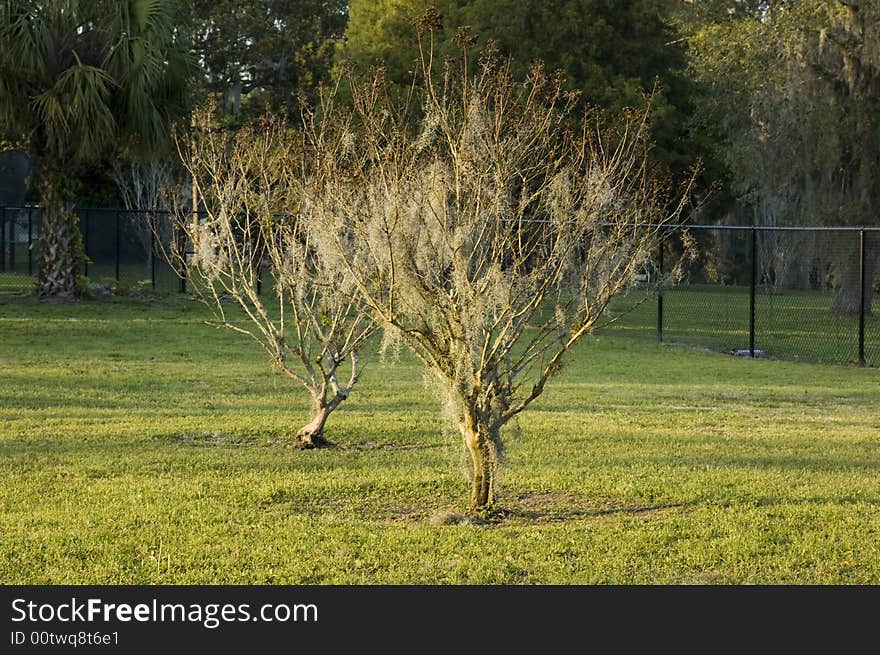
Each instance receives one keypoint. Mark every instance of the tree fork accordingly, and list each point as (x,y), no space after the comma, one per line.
(311,435)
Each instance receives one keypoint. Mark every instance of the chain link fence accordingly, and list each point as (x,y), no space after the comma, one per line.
(121,247)
(807,294)
(19,254)
(810,294)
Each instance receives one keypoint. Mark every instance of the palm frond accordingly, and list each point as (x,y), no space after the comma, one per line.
(145,12)
(82,74)
(79,103)
(24,33)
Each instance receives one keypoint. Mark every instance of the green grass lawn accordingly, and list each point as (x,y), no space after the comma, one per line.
(140,445)
(790,325)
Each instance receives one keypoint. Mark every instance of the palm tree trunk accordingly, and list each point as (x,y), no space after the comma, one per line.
(61,250)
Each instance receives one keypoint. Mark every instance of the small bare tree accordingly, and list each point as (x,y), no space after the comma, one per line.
(309,321)
(489,233)
(144,184)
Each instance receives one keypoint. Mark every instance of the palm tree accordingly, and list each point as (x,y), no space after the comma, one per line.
(78,77)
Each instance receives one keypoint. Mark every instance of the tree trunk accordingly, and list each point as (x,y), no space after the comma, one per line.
(482,444)
(311,435)
(233,99)
(872,264)
(60,242)
(846,299)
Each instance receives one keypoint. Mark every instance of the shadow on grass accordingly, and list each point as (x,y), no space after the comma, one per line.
(769,463)
(560,507)
(368,445)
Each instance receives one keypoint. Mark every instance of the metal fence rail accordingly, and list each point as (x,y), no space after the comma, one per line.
(794,293)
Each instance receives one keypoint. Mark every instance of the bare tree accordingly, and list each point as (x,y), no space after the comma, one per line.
(144,184)
(489,233)
(309,321)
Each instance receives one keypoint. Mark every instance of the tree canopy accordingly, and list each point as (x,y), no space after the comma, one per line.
(611,51)
(76,76)
(262,54)
(790,98)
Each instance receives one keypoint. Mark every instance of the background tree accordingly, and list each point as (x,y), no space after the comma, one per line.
(612,51)
(309,321)
(143,184)
(696,13)
(487,235)
(77,77)
(790,92)
(263,53)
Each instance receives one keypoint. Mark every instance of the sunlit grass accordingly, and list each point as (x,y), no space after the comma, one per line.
(140,445)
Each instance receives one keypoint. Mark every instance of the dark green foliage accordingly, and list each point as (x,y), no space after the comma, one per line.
(79,79)
(262,54)
(612,51)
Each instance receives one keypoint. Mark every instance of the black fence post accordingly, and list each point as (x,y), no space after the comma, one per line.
(153,254)
(752,286)
(12,235)
(117,245)
(30,248)
(3,240)
(660,291)
(862,292)
(86,243)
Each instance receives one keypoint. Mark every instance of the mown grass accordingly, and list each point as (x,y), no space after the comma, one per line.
(140,445)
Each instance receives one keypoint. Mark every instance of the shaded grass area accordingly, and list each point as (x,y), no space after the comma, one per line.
(789,324)
(132,276)
(140,445)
